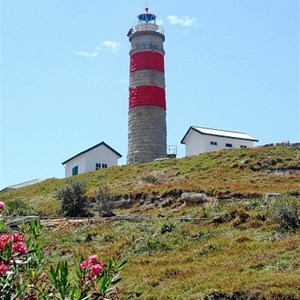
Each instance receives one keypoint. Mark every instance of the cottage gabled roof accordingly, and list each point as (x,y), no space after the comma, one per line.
(220,133)
(89,149)
(21,185)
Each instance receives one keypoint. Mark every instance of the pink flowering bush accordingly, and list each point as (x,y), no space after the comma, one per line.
(95,268)
(2,206)
(22,276)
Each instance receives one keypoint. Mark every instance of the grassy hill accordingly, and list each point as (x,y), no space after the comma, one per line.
(238,173)
(234,245)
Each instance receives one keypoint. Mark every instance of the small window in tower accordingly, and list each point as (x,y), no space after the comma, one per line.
(75,170)
(228,145)
(136,159)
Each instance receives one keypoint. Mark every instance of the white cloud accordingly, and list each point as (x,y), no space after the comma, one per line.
(112,45)
(185,21)
(87,54)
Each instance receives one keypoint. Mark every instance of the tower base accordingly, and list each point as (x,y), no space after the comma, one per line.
(147,134)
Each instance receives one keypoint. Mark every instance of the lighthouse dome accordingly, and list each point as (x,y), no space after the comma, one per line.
(147,17)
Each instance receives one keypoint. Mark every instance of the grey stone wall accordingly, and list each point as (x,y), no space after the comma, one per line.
(147,40)
(147,134)
(147,77)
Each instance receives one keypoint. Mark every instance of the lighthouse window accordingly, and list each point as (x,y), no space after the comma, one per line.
(136,159)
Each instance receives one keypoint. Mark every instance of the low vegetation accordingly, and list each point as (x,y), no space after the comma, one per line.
(239,238)
(240,173)
(23,275)
(221,249)
(105,201)
(73,200)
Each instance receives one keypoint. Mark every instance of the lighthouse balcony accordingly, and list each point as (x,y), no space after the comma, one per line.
(145,27)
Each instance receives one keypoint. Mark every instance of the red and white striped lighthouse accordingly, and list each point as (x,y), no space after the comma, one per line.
(147,130)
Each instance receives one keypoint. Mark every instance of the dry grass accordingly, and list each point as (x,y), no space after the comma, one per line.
(194,259)
(169,258)
(225,173)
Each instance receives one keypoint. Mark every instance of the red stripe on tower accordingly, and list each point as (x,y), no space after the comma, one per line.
(145,92)
(149,60)
(147,95)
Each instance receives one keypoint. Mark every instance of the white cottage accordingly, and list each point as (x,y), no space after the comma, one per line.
(201,139)
(97,157)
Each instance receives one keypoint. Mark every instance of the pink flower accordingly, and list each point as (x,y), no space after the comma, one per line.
(93,266)
(2,246)
(84,265)
(2,205)
(4,240)
(16,237)
(19,247)
(96,288)
(3,269)
(93,260)
(96,270)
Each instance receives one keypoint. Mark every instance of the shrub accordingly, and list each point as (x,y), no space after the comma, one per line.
(151,179)
(282,264)
(18,207)
(256,204)
(167,228)
(74,203)
(105,201)
(151,246)
(285,211)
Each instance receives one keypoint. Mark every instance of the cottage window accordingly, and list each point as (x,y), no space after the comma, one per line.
(243,146)
(228,145)
(75,170)
(214,143)
(100,166)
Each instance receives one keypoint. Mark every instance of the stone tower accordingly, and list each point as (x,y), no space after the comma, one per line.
(147,130)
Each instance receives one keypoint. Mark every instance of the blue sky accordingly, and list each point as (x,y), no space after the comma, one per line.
(230,65)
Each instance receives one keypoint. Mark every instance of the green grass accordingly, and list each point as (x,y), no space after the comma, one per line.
(172,258)
(196,258)
(224,174)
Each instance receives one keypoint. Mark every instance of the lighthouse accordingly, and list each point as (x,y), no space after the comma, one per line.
(147,130)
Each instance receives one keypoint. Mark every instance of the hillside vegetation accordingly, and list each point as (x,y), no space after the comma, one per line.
(242,241)
(238,173)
